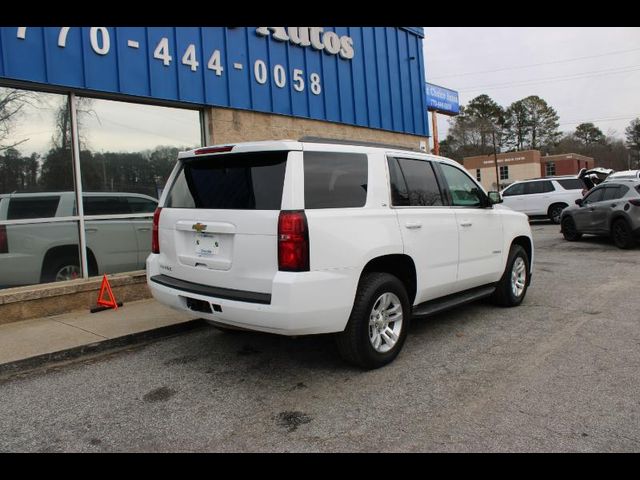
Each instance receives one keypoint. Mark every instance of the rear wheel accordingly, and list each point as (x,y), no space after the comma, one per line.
(569,230)
(621,234)
(378,324)
(59,270)
(555,211)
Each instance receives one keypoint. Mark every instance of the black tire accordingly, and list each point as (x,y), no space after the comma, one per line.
(555,211)
(54,267)
(621,234)
(569,230)
(504,295)
(354,343)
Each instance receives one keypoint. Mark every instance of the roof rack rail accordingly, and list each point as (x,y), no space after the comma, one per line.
(338,141)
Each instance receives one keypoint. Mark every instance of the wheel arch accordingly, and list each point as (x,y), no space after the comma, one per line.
(400,265)
(70,250)
(526,243)
(617,216)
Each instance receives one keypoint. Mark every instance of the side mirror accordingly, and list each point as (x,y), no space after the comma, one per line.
(494,197)
(579,202)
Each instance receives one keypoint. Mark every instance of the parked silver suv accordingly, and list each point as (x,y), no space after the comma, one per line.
(612,208)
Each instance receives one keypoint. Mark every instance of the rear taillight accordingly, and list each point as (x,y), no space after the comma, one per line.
(155,242)
(293,241)
(634,202)
(4,242)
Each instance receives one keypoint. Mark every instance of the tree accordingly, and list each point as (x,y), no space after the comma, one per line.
(632,135)
(473,130)
(489,118)
(589,134)
(516,126)
(531,123)
(12,102)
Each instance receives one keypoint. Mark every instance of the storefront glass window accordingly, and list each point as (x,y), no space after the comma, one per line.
(127,152)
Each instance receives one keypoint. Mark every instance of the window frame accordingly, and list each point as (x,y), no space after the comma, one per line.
(78,215)
(438,176)
(484,198)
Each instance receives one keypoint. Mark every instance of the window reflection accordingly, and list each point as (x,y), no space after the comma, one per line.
(38,253)
(127,152)
(132,148)
(35,145)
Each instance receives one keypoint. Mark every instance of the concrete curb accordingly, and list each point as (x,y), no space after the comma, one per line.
(29,364)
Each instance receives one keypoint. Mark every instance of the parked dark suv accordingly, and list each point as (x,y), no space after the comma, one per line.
(612,208)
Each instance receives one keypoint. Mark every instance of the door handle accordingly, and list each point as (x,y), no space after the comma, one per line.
(413,225)
(90,230)
(466,224)
(144,229)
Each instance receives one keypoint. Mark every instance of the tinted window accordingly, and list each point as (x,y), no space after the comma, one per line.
(335,180)
(464,191)
(243,181)
(141,205)
(413,183)
(571,184)
(515,189)
(105,205)
(613,193)
(32,207)
(539,187)
(595,196)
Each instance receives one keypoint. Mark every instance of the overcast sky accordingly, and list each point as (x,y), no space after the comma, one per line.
(586,74)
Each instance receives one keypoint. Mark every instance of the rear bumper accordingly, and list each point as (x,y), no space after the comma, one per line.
(300,303)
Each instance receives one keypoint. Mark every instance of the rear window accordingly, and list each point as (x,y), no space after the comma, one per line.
(32,207)
(571,183)
(413,183)
(335,180)
(241,181)
(539,187)
(105,205)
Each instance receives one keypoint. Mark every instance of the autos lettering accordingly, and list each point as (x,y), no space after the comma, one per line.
(314,37)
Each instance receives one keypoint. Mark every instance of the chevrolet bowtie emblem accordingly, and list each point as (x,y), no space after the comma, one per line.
(199,227)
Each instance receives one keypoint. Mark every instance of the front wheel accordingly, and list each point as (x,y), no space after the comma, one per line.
(513,285)
(377,327)
(569,230)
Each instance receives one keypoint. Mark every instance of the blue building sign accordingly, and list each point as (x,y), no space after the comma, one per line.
(442,100)
(366,76)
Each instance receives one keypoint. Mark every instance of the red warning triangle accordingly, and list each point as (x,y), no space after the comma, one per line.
(111,303)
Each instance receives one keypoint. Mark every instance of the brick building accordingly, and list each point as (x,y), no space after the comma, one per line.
(522,165)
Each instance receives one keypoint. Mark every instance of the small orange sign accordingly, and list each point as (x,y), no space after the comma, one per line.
(111,303)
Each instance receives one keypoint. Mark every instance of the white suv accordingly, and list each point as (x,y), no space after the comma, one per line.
(46,252)
(305,237)
(544,197)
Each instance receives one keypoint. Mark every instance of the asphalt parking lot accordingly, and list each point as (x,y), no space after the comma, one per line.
(559,373)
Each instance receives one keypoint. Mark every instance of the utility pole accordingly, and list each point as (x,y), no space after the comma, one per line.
(495,157)
(436,144)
